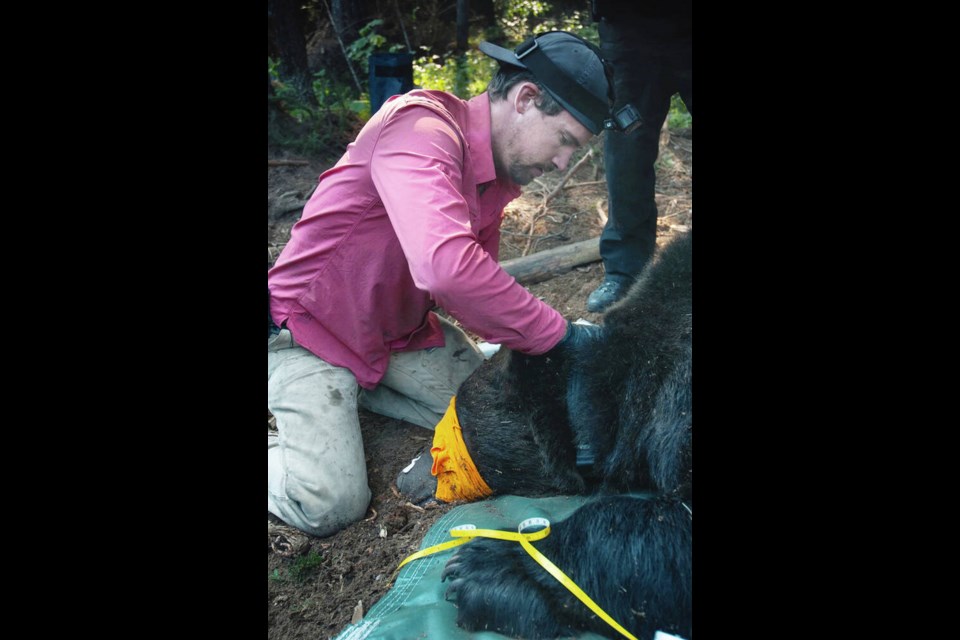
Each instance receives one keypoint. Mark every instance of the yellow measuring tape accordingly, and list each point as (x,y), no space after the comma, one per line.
(467,532)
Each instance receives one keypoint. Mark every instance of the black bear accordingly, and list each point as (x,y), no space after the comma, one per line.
(613,419)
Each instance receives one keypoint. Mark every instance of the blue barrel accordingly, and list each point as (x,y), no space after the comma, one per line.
(390,74)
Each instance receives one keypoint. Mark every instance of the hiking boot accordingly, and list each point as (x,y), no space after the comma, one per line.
(416,481)
(606,294)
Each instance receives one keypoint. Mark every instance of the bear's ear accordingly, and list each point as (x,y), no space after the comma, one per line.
(487,383)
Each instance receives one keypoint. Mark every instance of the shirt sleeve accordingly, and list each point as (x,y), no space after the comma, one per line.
(416,167)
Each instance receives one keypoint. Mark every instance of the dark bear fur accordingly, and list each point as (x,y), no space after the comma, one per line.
(631,555)
(628,397)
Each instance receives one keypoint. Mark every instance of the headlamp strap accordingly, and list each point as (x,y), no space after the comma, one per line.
(526,47)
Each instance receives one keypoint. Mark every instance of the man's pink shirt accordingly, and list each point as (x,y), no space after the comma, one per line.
(397,227)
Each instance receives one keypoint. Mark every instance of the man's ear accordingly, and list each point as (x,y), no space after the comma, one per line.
(526,96)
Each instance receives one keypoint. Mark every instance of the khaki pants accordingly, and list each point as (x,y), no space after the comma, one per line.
(317,474)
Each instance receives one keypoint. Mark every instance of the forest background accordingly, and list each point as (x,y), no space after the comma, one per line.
(318,78)
(319,96)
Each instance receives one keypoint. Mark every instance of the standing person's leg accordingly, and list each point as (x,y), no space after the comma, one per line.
(317,474)
(418,385)
(680,70)
(628,239)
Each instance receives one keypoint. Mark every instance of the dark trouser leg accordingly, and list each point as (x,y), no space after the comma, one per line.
(681,71)
(644,75)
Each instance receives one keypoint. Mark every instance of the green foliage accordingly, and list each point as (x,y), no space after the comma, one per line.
(332,95)
(331,123)
(468,74)
(370,42)
(319,128)
(465,76)
(299,570)
(286,94)
(305,566)
(678,117)
(520,19)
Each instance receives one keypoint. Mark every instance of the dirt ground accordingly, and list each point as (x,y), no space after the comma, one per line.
(318,585)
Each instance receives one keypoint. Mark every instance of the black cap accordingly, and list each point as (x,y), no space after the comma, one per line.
(570,69)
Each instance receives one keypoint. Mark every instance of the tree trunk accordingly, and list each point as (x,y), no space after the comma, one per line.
(271,107)
(288,20)
(484,9)
(463,24)
(346,18)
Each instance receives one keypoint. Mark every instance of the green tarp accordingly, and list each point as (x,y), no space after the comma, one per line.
(414,608)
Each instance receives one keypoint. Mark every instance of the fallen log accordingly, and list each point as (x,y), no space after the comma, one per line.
(544,265)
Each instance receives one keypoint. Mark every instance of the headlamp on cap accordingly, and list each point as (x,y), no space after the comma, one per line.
(626,119)
(575,73)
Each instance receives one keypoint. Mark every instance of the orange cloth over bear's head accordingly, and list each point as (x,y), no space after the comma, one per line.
(457,476)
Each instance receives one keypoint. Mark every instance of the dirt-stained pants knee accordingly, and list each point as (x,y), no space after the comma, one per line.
(418,385)
(317,475)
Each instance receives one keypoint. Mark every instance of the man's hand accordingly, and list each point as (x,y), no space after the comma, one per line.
(579,336)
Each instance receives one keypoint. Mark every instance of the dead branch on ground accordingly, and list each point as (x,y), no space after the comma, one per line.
(585,184)
(548,196)
(601,213)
